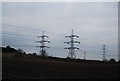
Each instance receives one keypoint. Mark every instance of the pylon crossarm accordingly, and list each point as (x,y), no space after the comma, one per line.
(76,42)
(44,46)
(67,42)
(69,36)
(43,36)
(74,48)
(67,48)
(71,48)
(42,41)
(75,36)
(45,41)
(38,41)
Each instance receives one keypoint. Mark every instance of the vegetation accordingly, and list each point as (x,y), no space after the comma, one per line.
(112,60)
(20,52)
(31,66)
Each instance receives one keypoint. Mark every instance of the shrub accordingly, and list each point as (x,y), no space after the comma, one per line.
(112,60)
(20,51)
(34,54)
(119,61)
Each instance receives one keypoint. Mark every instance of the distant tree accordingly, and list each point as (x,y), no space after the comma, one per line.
(119,61)
(68,57)
(20,51)
(80,59)
(24,53)
(29,54)
(34,54)
(8,47)
(112,60)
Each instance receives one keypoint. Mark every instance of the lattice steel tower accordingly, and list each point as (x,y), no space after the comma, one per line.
(103,52)
(72,47)
(42,46)
(84,55)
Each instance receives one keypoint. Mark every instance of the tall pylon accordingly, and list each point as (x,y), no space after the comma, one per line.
(103,52)
(42,46)
(84,55)
(72,47)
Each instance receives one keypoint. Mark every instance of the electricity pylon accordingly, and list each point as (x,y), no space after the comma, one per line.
(84,55)
(103,52)
(72,47)
(42,46)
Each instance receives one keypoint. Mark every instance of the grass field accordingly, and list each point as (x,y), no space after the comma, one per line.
(31,67)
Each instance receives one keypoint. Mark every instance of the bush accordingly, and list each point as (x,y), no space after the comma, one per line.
(21,51)
(119,61)
(112,60)
(34,54)
(30,54)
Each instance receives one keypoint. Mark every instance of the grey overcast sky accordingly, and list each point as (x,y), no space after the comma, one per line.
(96,23)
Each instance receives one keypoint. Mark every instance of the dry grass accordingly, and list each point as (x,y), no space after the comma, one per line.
(26,67)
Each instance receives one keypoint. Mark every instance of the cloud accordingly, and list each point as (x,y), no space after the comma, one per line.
(95,23)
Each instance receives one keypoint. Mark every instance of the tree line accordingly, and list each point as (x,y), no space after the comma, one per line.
(19,51)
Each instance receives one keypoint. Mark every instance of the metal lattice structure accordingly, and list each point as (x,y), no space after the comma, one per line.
(103,52)
(72,48)
(43,46)
(84,55)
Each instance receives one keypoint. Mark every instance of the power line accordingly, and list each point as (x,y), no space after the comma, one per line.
(22,37)
(40,30)
(93,52)
(14,36)
(90,46)
(26,28)
(31,30)
(20,27)
(21,42)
